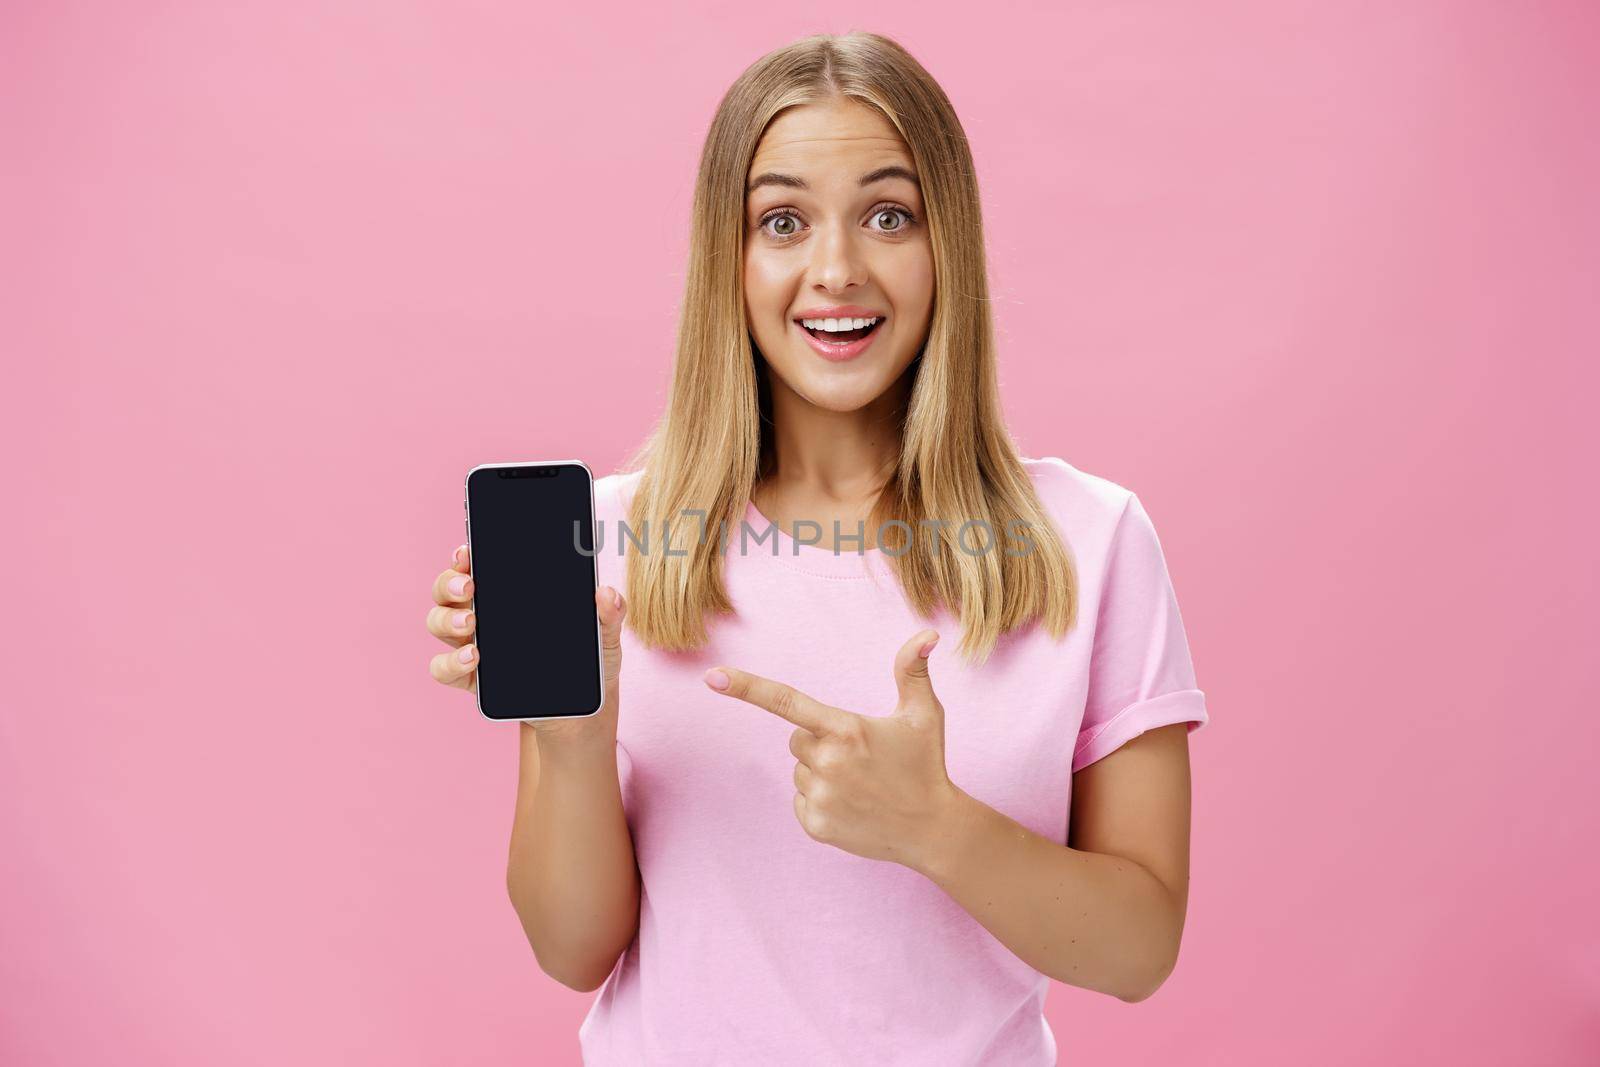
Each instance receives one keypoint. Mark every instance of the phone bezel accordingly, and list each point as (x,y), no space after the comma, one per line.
(599,658)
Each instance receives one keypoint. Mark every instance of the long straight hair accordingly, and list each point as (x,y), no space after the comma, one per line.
(956,460)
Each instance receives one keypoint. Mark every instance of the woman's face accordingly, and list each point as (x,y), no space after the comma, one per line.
(823,243)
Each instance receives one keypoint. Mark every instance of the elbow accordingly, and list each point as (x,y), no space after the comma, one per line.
(579,971)
(1143,993)
(574,968)
(576,981)
(1152,979)
(1158,957)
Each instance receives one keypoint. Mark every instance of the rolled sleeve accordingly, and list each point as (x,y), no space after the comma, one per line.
(1141,675)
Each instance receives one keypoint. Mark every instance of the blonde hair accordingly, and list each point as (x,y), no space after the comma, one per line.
(956,462)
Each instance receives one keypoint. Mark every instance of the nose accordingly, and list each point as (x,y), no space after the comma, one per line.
(837,261)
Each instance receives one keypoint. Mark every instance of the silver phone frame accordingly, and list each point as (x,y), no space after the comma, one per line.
(594,563)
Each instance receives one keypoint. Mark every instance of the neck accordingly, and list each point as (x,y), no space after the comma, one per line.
(821,464)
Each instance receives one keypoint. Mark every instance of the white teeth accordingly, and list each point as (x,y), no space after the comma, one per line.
(836,325)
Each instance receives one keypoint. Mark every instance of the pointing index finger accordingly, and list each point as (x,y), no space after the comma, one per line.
(782,700)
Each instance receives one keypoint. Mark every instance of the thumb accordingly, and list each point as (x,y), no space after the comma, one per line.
(911,672)
(611,609)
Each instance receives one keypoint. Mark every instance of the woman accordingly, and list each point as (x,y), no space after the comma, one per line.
(801,844)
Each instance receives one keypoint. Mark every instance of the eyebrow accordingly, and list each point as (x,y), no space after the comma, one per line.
(791,182)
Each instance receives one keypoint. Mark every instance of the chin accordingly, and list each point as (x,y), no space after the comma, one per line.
(843,396)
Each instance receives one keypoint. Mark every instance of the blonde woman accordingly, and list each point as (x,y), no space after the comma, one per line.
(865,784)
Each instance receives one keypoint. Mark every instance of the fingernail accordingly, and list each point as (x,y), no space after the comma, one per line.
(716,679)
(616,600)
(465,655)
(927,648)
(458,585)
(459,620)
(459,551)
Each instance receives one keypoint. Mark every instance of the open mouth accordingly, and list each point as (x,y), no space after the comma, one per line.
(841,337)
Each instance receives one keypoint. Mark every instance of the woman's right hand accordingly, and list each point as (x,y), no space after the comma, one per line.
(452,621)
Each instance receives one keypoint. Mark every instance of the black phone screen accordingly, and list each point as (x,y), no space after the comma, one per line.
(530,531)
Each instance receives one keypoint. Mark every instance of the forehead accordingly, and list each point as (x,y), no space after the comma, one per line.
(815,137)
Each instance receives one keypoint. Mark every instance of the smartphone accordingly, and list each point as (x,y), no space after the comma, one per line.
(530,532)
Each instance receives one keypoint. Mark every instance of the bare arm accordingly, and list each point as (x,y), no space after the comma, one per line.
(571,872)
(1106,911)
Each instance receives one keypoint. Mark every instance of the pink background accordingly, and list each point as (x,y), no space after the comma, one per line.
(1317,281)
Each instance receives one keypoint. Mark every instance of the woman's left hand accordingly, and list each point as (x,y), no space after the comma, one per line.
(875,786)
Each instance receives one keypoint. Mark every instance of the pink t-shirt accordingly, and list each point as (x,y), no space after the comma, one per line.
(757,944)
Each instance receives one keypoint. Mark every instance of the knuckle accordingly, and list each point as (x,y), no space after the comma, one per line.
(439,620)
(783,701)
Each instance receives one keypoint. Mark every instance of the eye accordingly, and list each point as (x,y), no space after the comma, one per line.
(781,213)
(791,229)
(894,209)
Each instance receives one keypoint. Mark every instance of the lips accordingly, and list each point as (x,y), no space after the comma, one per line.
(839,351)
(840,337)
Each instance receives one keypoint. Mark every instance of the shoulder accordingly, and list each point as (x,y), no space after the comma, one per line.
(1087,508)
(614,492)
